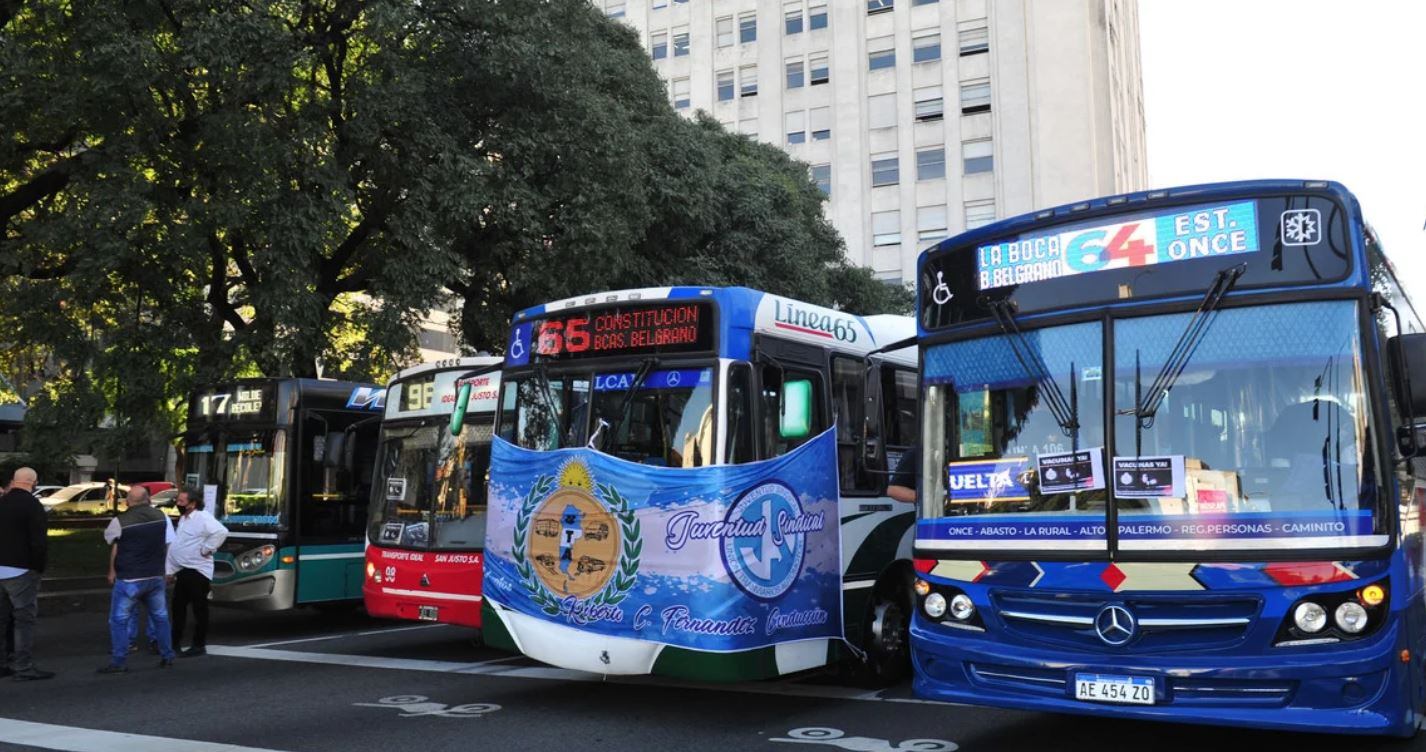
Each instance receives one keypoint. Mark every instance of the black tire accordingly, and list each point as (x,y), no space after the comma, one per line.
(887,637)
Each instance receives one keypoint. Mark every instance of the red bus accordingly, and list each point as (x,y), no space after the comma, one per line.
(426,527)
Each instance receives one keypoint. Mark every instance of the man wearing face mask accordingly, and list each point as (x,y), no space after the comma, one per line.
(190,568)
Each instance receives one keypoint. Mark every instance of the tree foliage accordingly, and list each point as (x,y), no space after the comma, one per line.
(197,189)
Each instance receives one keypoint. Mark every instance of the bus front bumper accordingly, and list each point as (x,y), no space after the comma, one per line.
(1345,690)
(273,590)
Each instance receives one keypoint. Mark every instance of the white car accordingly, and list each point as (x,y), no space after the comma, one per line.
(83,498)
(43,491)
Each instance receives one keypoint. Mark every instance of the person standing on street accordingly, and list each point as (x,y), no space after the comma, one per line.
(139,540)
(24,544)
(190,568)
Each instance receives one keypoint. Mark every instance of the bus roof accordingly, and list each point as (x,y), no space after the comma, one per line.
(744,312)
(469,363)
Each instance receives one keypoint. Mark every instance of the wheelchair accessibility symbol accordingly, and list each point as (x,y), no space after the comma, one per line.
(942,292)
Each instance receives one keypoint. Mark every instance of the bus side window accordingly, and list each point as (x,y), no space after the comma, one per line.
(849,405)
(898,403)
(773,379)
(740,414)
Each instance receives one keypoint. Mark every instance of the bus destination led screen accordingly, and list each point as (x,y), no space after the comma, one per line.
(623,330)
(1205,231)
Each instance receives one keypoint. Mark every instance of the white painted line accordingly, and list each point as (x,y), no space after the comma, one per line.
(550,673)
(433,595)
(74,739)
(341,635)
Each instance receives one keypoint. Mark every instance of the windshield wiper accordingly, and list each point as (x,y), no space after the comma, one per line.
(637,383)
(1066,412)
(1147,405)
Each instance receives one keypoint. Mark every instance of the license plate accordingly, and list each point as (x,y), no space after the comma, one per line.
(1130,690)
(428,613)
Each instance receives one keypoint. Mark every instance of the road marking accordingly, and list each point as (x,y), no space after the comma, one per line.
(416,706)
(340,635)
(74,739)
(830,737)
(551,673)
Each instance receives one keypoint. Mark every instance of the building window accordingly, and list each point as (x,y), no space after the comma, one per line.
(614,8)
(657,4)
(822,176)
(878,6)
(928,103)
(926,49)
(974,41)
(725,85)
(886,228)
(792,18)
(817,66)
(881,53)
(725,31)
(930,224)
(881,111)
(659,44)
(796,127)
(748,28)
(748,127)
(885,169)
(748,81)
(796,73)
(977,156)
(924,2)
(680,93)
(820,119)
(979,213)
(975,97)
(816,14)
(680,41)
(931,163)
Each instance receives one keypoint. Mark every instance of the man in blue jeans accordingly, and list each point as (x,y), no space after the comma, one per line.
(139,541)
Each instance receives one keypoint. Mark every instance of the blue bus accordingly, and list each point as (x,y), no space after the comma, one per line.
(692,482)
(1168,464)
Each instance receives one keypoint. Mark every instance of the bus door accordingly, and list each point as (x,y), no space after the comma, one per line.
(336,458)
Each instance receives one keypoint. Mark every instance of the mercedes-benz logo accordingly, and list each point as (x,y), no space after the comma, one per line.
(1115,625)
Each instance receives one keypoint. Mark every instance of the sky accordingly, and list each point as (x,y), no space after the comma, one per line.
(1237,89)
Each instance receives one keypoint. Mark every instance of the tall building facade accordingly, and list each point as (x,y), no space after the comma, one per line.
(919,118)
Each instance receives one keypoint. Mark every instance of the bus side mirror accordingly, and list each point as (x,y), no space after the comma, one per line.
(795,412)
(1407,355)
(458,414)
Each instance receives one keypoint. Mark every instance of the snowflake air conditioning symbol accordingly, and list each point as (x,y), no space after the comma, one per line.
(1301,227)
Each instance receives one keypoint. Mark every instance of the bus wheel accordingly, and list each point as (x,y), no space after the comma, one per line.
(888,641)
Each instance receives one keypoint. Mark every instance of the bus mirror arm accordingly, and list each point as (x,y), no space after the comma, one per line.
(1406,353)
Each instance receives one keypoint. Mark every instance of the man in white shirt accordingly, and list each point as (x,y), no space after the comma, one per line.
(190,568)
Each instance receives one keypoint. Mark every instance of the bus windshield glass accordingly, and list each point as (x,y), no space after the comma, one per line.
(1264,440)
(996,411)
(254,478)
(431,486)
(664,418)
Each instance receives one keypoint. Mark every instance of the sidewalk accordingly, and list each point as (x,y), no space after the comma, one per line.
(70,595)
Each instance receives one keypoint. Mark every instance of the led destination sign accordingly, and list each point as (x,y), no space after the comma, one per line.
(240,402)
(1181,235)
(623,330)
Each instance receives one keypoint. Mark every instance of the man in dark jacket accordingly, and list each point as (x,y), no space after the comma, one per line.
(139,538)
(23,546)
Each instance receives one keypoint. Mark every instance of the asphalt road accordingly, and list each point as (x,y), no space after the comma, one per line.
(310,681)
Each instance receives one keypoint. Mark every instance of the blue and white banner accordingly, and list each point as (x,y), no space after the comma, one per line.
(719,558)
(987,481)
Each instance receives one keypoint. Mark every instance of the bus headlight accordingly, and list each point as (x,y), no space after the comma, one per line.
(961,607)
(256,559)
(935,605)
(1309,617)
(1351,617)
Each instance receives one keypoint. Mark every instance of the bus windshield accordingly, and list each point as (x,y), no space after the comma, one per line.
(430,490)
(1270,421)
(661,417)
(996,418)
(254,478)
